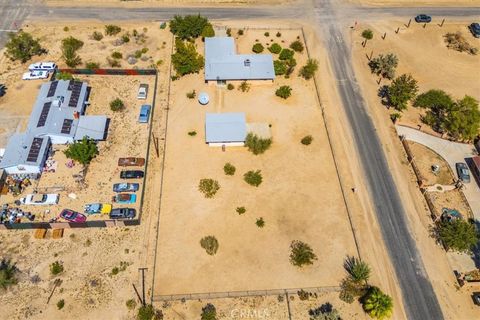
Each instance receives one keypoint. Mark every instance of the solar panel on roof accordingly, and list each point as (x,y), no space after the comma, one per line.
(51,90)
(44,114)
(67,126)
(34,150)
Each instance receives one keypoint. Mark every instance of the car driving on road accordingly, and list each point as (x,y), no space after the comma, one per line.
(462,172)
(123,213)
(423,18)
(131,174)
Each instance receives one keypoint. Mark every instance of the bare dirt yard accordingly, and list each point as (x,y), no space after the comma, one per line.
(425,158)
(299,198)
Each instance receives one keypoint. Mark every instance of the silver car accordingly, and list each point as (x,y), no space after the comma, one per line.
(142,91)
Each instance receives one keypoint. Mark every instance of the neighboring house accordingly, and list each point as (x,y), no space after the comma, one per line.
(225,129)
(57,118)
(222,63)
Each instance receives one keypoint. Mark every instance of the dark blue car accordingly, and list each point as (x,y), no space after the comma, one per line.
(475,29)
(423,18)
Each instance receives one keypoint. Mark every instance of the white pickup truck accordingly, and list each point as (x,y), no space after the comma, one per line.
(40,199)
(42,66)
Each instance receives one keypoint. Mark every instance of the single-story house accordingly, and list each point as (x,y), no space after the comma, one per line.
(225,129)
(222,63)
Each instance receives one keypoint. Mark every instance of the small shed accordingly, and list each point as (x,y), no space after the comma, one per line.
(94,127)
(225,129)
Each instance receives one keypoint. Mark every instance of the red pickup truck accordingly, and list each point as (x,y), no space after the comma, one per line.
(131,162)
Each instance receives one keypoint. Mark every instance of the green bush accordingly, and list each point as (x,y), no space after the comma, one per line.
(280,67)
(192,133)
(230,86)
(70,46)
(377,304)
(125,38)
(308,70)
(210,244)
(257,48)
(297,46)
(267,34)
(260,222)
(146,312)
(253,178)
(114,63)
(301,254)
(186,59)
(117,55)
(60,304)
(286,54)
(92,65)
(191,95)
(278,34)
(208,31)
(189,26)
(229,32)
(458,235)
(73,43)
(115,271)
(7,274)
(111,30)
(209,312)
(97,36)
(208,187)
(82,151)
(240,32)
(275,48)
(384,65)
(241,210)
(229,169)
(63,76)
(307,140)
(131,304)
(163,25)
(117,105)
(56,268)
(256,144)
(284,92)
(22,46)
(244,86)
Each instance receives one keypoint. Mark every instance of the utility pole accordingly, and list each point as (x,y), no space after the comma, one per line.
(143,284)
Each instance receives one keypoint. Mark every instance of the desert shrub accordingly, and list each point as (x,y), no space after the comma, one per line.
(208,187)
(189,26)
(192,133)
(301,254)
(384,65)
(286,54)
(307,140)
(275,48)
(209,312)
(117,55)
(92,65)
(163,25)
(210,244)
(267,34)
(229,169)
(230,86)
(241,210)
(60,304)
(284,92)
(97,36)
(111,30)
(186,59)
(308,70)
(146,312)
(324,312)
(72,42)
(377,304)
(297,46)
(278,34)
(280,67)
(257,145)
(358,270)
(208,31)
(253,178)
(56,268)
(66,29)
(70,46)
(257,48)
(229,32)
(458,235)
(395,116)
(260,222)
(131,304)
(115,271)
(7,273)
(117,105)
(457,42)
(191,95)
(114,63)
(240,32)
(22,46)
(125,38)
(244,86)
(82,151)
(63,76)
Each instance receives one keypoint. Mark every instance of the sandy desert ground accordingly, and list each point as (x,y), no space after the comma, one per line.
(419,3)
(154,3)
(425,158)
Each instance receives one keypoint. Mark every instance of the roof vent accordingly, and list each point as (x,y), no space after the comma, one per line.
(246,63)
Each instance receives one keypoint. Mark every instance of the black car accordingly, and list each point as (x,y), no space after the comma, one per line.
(123,213)
(475,29)
(423,18)
(131,174)
(476,298)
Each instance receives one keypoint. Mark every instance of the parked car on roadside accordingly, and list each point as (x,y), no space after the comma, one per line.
(463,172)
(142,91)
(40,199)
(123,213)
(144,113)
(34,75)
(124,198)
(94,208)
(72,216)
(125,187)
(131,161)
(475,29)
(423,18)
(42,66)
(131,174)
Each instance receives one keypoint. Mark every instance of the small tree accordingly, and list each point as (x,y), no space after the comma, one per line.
(22,46)
(208,187)
(301,254)
(189,26)
(7,273)
(209,312)
(260,222)
(438,104)
(463,120)
(186,59)
(257,48)
(208,31)
(117,105)
(280,67)
(308,70)
(377,304)
(284,92)
(257,145)
(210,244)
(297,46)
(229,169)
(97,36)
(458,235)
(244,86)
(275,48)
(384,65)
(367,34)
(112,30)
(402,89)
(307,140)
(253,178)
(82,151)
(146,312)
(56,268)
(358,270)
(60,304)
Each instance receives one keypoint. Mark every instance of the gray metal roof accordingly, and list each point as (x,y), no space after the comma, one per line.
(225,127)
(223,63)
(21,150)
(92,127)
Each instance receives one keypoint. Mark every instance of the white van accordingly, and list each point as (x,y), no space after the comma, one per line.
(42,66)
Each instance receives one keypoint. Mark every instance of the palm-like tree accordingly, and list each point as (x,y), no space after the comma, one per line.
(358,270)
(377,304)
(7,273)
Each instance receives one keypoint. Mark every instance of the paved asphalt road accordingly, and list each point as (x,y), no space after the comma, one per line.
(418,294)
